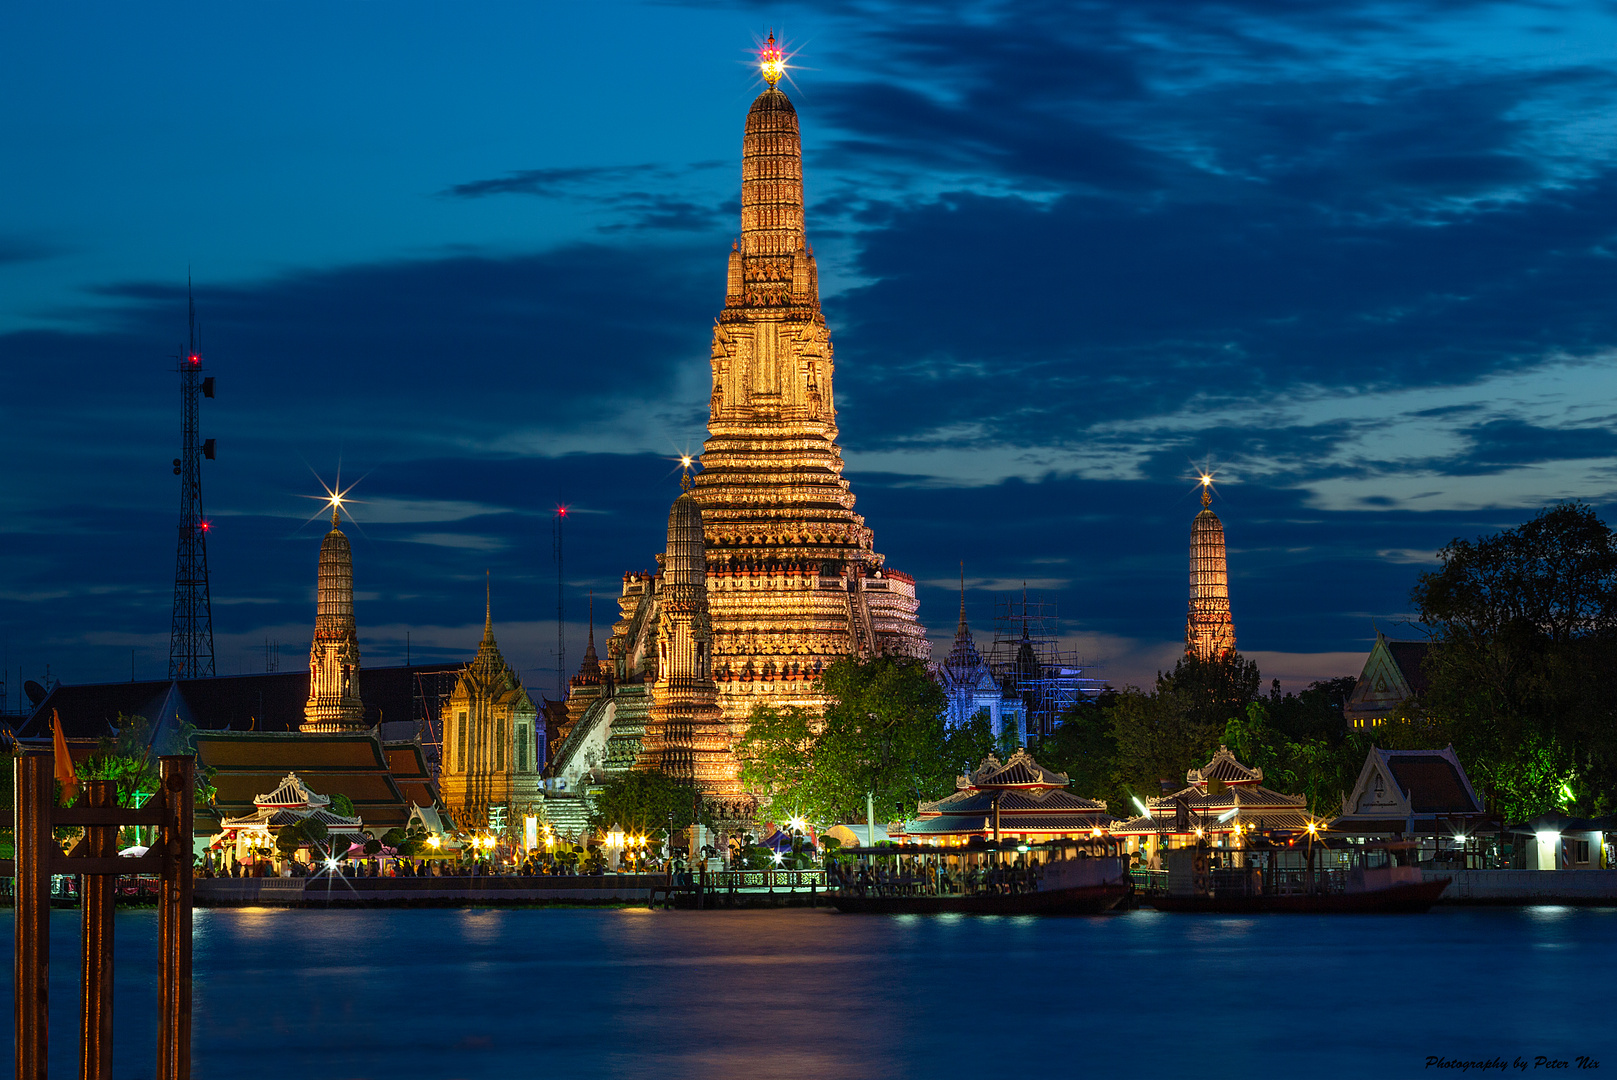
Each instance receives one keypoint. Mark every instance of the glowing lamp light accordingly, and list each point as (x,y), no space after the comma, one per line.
(779,858)
(1198,832)
(1144,809)
(771,61)
(434,843)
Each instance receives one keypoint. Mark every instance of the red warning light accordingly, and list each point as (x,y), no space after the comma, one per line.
(195,359)
(206,525)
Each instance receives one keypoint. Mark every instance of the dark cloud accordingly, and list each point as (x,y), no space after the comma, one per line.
(1507,443)
(549,183)
(1032,319)
(26,249)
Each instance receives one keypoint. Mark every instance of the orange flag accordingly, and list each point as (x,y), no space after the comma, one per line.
(64,763)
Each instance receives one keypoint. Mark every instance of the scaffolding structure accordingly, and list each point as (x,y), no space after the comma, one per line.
(431,692)
(1032,668)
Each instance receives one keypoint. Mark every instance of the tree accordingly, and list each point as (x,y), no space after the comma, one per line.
(883,733)
(1521,678)
(777,761)
(644,801)
(1084,747)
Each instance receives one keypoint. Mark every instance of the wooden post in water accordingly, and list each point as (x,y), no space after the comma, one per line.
(174,920)
(96,860)
(34,794)
(97,896)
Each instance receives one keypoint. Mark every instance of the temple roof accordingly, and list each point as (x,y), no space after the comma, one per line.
(356,765)
(1224,767)
(292,792)
(1019,770)
(1243,798)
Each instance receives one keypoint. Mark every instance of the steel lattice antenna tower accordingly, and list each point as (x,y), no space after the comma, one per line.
(190,650)
(561,621)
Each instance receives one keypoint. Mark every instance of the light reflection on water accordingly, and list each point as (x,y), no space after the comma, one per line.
(579,993)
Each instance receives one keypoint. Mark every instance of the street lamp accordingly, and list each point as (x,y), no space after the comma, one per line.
(614,844)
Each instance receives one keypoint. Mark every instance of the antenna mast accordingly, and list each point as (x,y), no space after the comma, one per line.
(561,623)
(190,650)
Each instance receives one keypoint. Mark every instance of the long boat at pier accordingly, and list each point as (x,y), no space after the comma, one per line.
(1040,879)
(1379,879)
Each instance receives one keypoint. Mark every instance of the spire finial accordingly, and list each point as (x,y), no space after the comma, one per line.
(488,608)
(1207,489)
(592,619)
(685,462)
(962,596)
(771,61)
(335,519)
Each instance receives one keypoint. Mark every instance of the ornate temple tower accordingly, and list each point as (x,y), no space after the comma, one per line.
(489,756)
(686,736)
(1209,631)
(334,703)
(795,581)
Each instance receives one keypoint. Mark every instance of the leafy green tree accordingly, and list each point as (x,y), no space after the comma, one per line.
(777,762)
(342,804)
(1523,675)
(644,802)
(1084,747)
(883,733)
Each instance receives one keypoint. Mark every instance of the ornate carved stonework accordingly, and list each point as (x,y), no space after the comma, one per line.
(794,581)
(334,703)
(686,736)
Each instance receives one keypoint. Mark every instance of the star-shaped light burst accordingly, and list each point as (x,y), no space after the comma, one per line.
(335,499)
(1204,478)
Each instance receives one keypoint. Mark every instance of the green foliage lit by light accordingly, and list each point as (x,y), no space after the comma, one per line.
(883,734)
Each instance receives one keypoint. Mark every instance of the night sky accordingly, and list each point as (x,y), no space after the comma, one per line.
(1359,257)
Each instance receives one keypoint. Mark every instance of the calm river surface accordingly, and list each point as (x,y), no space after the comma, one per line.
(806,994)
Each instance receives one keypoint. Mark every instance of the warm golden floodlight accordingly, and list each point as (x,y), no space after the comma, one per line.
(771,61)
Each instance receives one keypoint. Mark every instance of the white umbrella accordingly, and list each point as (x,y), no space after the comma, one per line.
(133,852)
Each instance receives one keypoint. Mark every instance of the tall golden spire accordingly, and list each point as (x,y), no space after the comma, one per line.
(1209,628)
(797,583)
(334,703)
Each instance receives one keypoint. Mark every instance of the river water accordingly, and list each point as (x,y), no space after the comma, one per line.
(438,994)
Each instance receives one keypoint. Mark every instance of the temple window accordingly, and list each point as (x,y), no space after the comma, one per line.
(460,744)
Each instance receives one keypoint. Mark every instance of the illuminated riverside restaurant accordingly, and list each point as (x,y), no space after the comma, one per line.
(1018,799)
(1222,804)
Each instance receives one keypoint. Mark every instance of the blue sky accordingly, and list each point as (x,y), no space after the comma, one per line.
(1360,257)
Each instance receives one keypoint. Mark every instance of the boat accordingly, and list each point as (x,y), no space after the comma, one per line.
(994,880)
(1379,880)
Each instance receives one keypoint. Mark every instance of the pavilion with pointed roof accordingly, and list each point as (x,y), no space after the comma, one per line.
(291,803)
(1017,798)
(1221,802)
(966,678)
